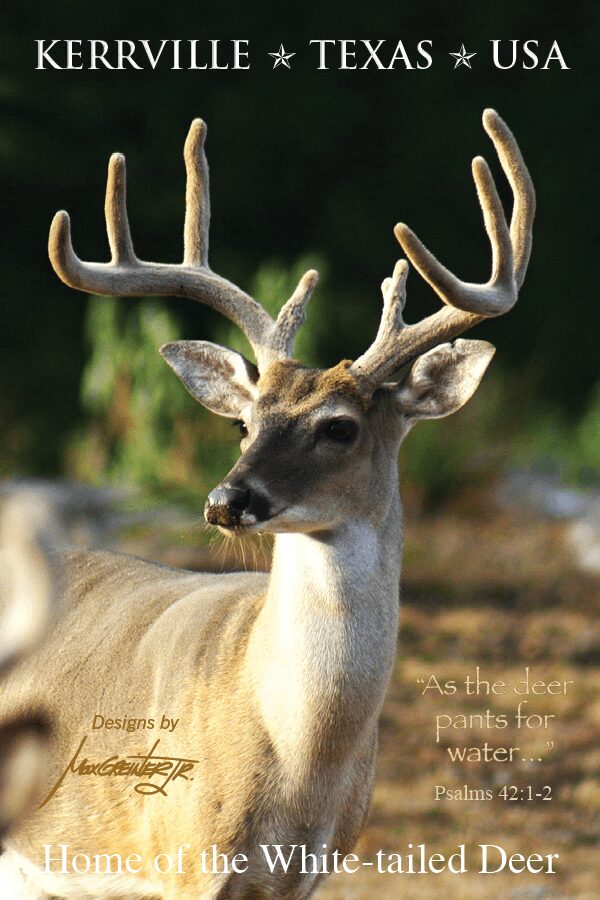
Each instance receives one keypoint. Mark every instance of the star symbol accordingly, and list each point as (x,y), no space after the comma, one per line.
(282,58)
(462,57)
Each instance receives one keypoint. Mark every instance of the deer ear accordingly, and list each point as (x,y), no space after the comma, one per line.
(442,380)
(220,379)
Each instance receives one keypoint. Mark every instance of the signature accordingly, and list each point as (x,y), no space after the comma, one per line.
(143,767)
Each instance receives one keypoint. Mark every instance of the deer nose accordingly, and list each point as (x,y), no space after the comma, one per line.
(226,504)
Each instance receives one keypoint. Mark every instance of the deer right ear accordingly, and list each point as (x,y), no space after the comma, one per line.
(442,380)
(220,379)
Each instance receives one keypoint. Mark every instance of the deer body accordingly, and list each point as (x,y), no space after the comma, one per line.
(277,680)
(287,752)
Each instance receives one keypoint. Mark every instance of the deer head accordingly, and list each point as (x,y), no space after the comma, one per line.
(318,446)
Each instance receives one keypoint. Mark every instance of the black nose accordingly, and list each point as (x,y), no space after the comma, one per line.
(226,504)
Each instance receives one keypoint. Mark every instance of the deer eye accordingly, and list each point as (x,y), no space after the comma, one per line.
(241,426)
(340,430)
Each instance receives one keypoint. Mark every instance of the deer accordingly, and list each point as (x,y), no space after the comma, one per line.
(277,679)
(29,594)
(35,520)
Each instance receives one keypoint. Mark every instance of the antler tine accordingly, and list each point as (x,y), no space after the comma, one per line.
(292,315)
(197,197)
(466,303)
(115,213)
(393,291)
(391,325)
(126,275)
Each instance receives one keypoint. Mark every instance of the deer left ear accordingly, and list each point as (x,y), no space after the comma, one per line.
(220,379)
(442,380)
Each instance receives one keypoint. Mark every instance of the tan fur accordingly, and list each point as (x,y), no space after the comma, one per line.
(179,649)
(307,389)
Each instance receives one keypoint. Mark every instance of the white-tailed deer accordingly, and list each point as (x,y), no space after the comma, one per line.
(35,518)
(271,684)
(28,592)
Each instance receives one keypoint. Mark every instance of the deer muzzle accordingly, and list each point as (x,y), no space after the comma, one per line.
(235,506)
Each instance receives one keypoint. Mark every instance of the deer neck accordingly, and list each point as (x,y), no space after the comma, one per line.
(323,644)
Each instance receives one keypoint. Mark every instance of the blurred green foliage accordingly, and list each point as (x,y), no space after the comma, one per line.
(571,448)
(141,426)
(493,434)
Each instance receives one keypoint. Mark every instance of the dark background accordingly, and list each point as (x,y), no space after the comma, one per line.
(302,161)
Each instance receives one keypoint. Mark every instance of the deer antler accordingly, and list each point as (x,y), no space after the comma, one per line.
(467,304)
(126,275)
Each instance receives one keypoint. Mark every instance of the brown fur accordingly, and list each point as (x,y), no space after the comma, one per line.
(286,381)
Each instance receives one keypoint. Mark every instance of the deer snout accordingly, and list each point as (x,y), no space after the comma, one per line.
(226,504)
(233,505)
